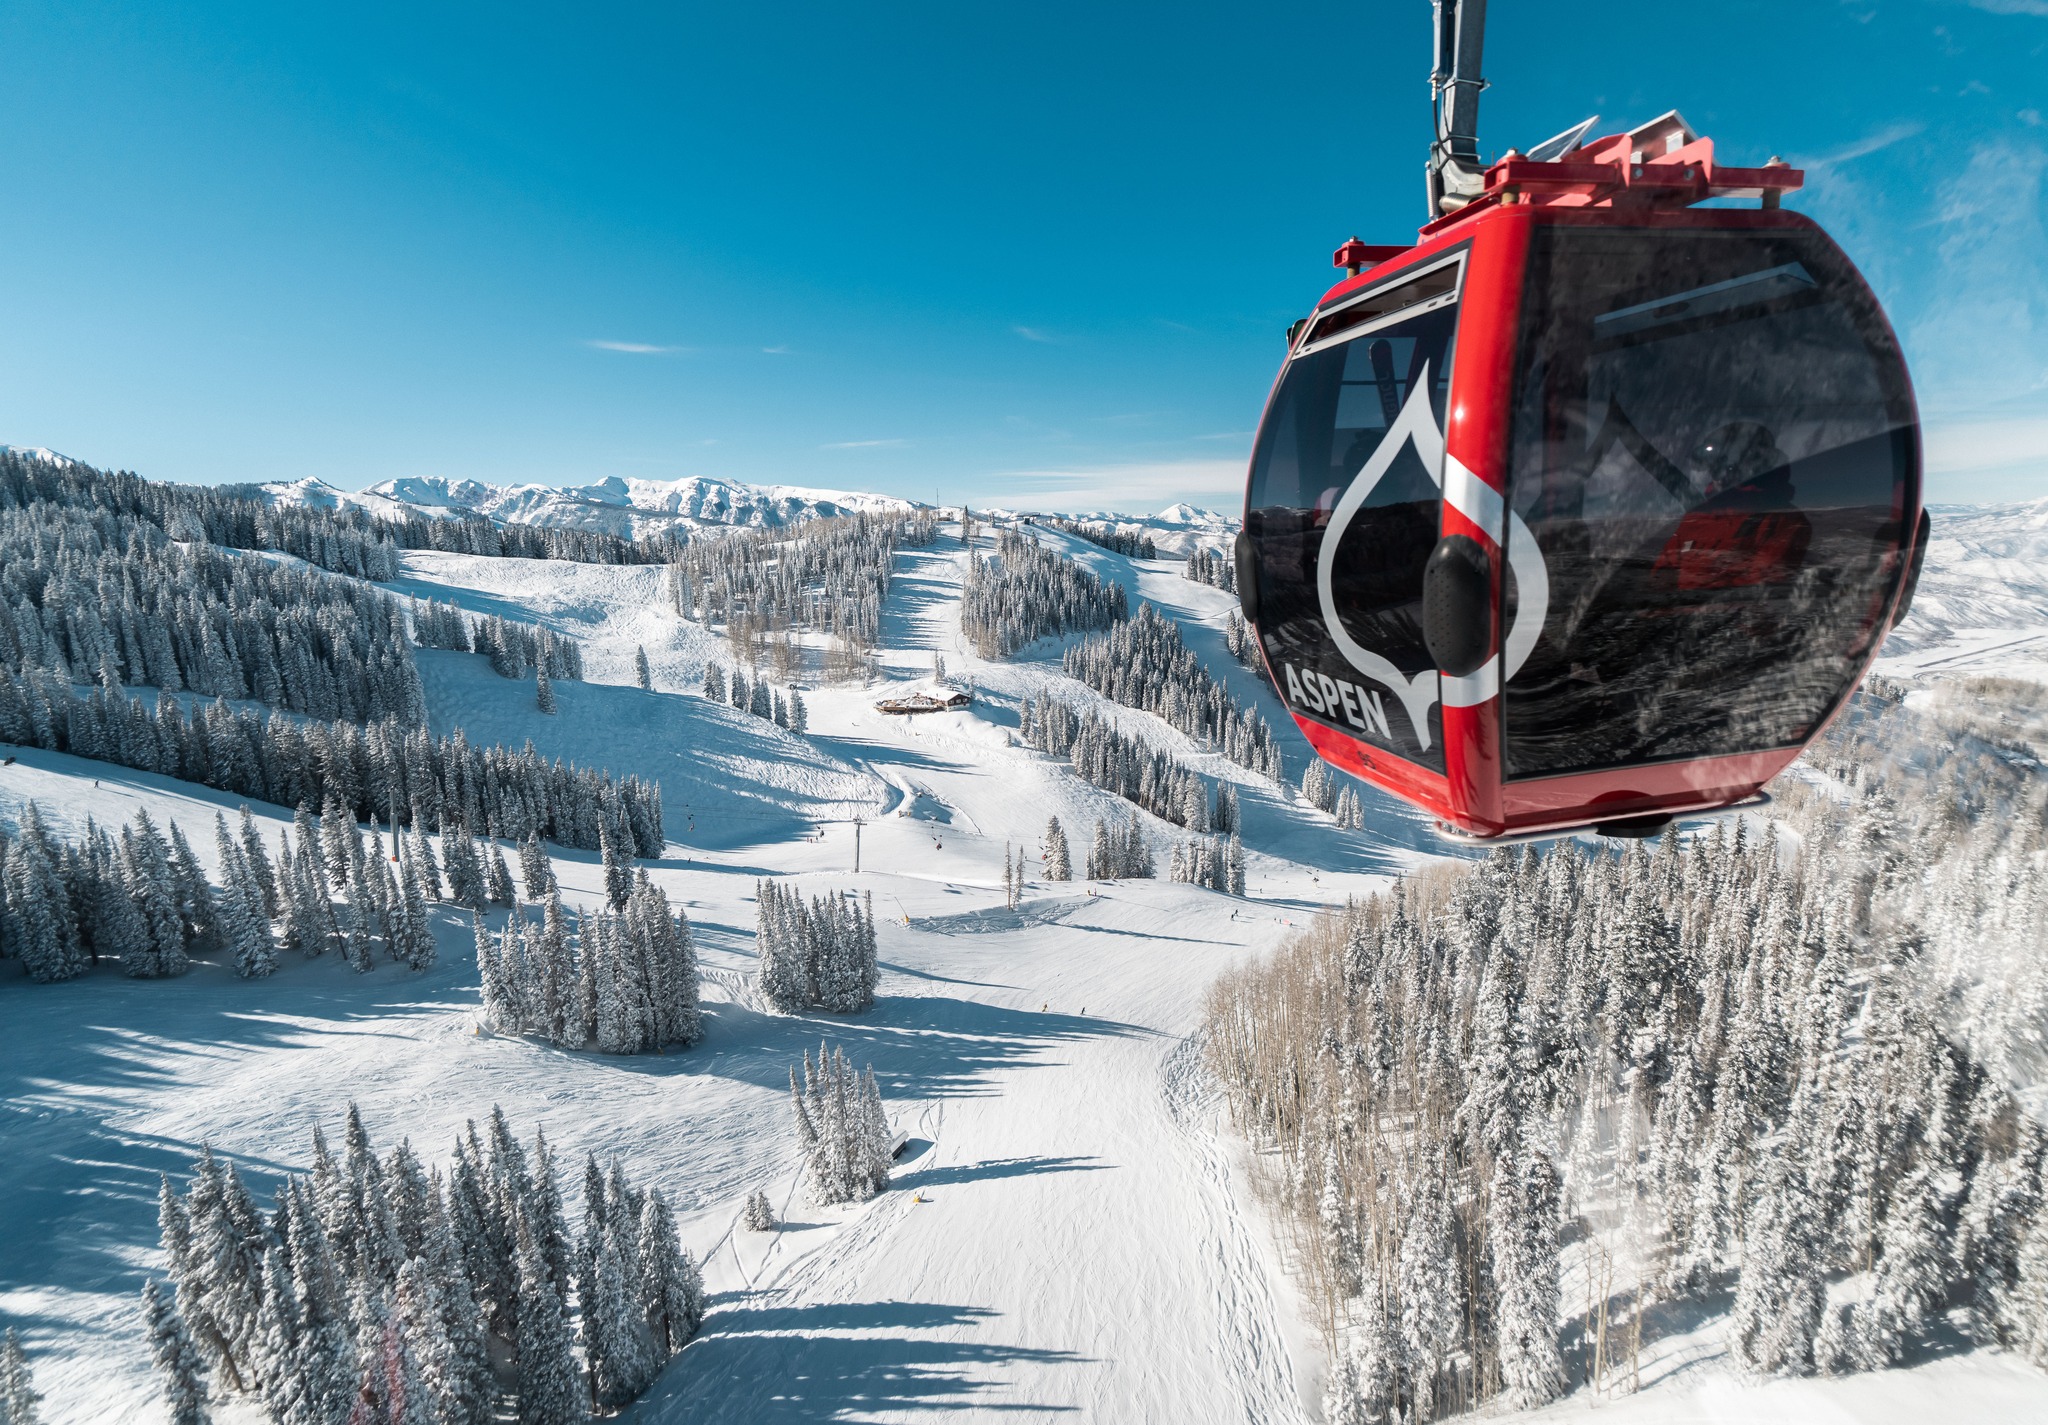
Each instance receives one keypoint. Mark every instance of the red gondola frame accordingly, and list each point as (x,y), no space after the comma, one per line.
(1609,183)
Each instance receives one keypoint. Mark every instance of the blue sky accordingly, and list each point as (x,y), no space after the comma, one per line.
(1041,254)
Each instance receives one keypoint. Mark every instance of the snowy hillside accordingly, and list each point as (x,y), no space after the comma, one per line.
(1982,605)
(1066,1173)
(1074,1227)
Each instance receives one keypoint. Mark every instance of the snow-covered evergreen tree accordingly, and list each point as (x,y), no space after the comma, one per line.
(1028,591)
(177,1358)
(41,929)
(1054,853)
(818,955)
(842,1131)
(19,1400)
(627,982)
(1143,662)
(550,1385)
(642,674)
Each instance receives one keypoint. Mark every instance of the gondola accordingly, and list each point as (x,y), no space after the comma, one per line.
(1592,506)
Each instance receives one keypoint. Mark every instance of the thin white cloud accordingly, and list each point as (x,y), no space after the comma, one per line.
(1033,333)
(775,351)
(1227,435)
(2010,7)
(1134,488)
(634,348)
(1986,459)
(861,444)
(1883,139)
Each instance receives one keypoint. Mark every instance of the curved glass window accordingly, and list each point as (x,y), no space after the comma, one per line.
(1345,507)
(1712,450)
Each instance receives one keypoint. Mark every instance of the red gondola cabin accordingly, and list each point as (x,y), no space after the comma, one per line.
(1592,507)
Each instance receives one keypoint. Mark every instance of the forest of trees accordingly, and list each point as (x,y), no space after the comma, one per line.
(234,519)
(827,575)
(346,541)
(516,650)
(1126,766)
(1207,566)
(379,1290)
(1144,663)
(403,774)
(816,956)
(1732,1064)
(141,902)
(783,708)
(842,1132)
(1241,642)
(1132,546)
(1120,852)
(1213,861)
(111,599)
(623,983)
(1329,790)
(1028,591)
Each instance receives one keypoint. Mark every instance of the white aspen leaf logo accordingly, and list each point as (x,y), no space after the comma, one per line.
(1416,426)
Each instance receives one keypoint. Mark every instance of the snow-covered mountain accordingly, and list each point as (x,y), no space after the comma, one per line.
(631,509)
(640,508)
(39,452)
(1982,604)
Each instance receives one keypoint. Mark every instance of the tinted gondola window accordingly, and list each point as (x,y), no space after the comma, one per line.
(1712,449)
(1325,463)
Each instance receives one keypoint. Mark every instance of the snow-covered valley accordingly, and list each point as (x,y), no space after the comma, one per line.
(1072,1229)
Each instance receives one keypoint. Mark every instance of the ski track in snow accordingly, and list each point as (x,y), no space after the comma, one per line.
(1086,1245)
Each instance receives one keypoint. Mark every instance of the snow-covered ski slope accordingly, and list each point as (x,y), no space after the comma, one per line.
(1069,1233)
(1081,1248)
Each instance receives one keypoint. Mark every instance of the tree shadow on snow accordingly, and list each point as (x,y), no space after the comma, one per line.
(762,1363)
(919,1047)
(997,1168)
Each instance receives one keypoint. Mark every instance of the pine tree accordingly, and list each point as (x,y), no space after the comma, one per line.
(177,1359)
(759,1215)
(40,927)
(714,683)
(1778,1302)
(535,868)
(259,862)
(672,1287)
(244,923)
(642,674)
(549,1392)
(499,878)
(18,1397)
(614,1341)
(325,1357)
(618,875)
(1057,867)
(543,691)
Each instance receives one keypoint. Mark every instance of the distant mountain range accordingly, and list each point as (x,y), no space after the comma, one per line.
(638,509)
(631,509)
